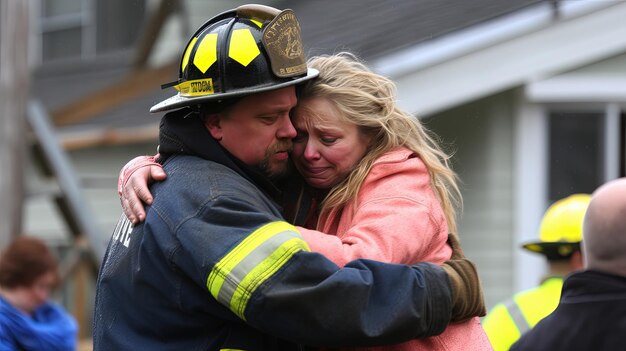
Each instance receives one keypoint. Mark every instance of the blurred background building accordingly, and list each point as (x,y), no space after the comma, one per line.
(529,96)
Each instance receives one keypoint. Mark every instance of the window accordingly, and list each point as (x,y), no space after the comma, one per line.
(85,28)
(579,154)
(63,24)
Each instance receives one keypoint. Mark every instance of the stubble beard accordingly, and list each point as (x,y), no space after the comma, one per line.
(272,168)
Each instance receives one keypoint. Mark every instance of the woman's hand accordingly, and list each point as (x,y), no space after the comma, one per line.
(132,185)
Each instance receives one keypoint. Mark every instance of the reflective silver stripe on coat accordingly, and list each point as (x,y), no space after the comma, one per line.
(238,274)
(517,316)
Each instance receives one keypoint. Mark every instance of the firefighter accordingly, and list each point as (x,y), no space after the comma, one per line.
(559,241)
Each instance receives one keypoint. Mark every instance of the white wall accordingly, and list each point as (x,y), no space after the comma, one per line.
(482,135)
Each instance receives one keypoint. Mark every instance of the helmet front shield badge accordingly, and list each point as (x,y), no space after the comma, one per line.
(281,39)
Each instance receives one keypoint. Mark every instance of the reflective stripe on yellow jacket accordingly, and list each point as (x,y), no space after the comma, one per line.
(506,321)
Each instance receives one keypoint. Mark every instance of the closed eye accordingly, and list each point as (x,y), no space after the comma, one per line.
(268,119)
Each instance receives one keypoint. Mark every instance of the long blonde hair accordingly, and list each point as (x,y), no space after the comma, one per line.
(368,100)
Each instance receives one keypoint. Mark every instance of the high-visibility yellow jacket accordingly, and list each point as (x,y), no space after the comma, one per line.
(508,320)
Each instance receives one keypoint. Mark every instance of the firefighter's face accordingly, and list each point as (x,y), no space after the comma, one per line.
(257,129)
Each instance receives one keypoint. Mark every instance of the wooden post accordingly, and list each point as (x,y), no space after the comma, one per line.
(151,31)
(14,78)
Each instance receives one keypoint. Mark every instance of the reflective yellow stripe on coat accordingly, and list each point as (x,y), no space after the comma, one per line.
(236,276)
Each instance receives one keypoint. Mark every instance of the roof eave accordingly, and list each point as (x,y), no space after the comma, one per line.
(504,53)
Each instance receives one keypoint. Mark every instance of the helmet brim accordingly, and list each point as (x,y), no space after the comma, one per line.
(178,101)
(553,250)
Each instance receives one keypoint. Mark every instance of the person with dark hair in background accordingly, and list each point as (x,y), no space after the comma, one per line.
(591,314)
(215,266)
(28,319)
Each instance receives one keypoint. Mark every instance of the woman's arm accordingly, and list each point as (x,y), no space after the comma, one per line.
(132,185)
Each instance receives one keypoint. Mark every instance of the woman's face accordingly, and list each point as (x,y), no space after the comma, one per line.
(29,298)
(326,148)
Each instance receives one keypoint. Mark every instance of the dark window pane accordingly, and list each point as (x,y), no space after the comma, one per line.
(62,44)
(51,8)
(576,158)
(119,24)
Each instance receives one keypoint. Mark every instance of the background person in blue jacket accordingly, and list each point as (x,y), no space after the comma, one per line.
(215,266)
(592,312)
(28,319)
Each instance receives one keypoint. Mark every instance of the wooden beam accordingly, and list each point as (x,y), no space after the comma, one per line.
(134,85)
(125,136)
(140,81)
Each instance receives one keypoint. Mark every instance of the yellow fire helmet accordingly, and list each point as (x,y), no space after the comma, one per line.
(248,50)
(561,229)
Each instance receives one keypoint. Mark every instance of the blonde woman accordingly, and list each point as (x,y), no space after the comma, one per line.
(377,185)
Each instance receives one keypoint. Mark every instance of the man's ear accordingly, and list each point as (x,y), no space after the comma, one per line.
(577,261)
(212,124)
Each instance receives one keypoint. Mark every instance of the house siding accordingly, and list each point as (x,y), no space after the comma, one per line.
(480,135)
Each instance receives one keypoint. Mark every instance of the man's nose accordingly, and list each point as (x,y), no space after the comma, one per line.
(286,130)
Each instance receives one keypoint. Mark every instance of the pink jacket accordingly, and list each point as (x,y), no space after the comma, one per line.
(396,218)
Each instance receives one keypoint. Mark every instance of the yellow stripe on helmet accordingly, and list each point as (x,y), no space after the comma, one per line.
(206,53)
(243,47)
(185,59)
(198,87)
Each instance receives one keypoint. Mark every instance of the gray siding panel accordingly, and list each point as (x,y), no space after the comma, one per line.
(482,137)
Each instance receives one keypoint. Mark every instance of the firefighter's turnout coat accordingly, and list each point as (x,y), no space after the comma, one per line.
(214,266)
